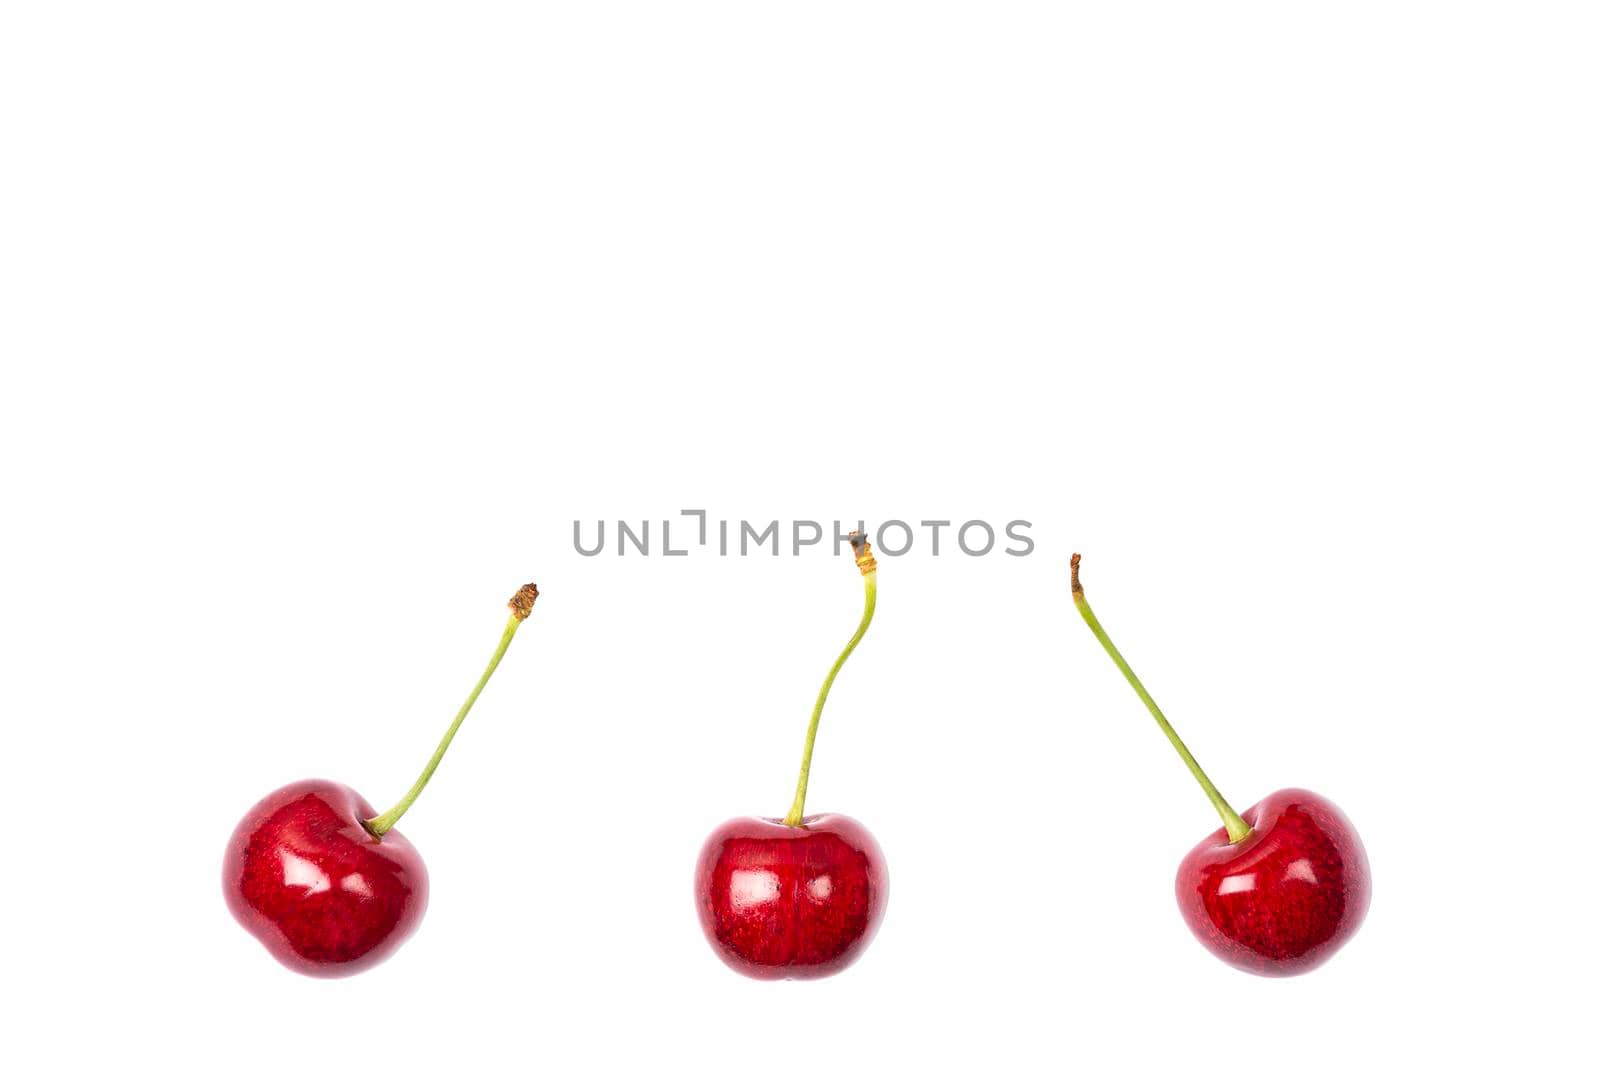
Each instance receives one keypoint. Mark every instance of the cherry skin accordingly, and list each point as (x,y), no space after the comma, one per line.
(781,901)
(307,878)
(1285,898)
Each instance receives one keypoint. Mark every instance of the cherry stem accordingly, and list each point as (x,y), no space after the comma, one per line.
(869,573)
(521,604)
(1237,828)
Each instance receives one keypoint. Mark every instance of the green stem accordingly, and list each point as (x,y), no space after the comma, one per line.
(869,574)
(1237,828)
(520,606)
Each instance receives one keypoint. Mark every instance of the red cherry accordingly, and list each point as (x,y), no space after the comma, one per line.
(796,896)
(326,882)
(1277,891)
(1286,897)
(313,884)
(798,901)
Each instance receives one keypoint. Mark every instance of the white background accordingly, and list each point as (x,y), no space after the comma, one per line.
(323,322)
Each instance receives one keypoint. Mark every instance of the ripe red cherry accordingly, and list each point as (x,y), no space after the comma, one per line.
(1287,896)
(798,901)
(325,882)
(1276,892)
(796,897)
(327,898)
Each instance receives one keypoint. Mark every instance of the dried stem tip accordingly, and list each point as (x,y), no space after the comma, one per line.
(522,603)
(1077,587)
(864,560)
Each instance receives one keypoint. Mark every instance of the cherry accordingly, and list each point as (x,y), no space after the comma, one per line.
(307,877)
(780,900)
(327,884)
(1286,897)
(1277,891)
(799,896)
